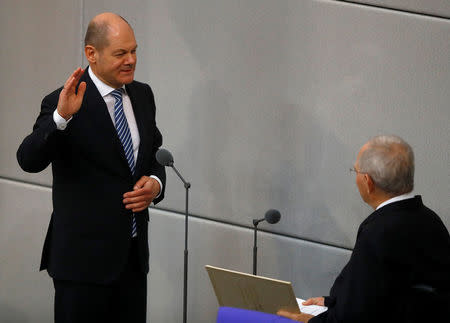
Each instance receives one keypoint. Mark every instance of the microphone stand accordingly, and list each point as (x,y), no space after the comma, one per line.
(187,185)
(255,248)
(272,216)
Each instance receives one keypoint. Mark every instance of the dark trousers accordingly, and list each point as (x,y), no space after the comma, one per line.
(123,301)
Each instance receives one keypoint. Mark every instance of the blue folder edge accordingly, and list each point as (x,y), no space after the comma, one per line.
(238,315)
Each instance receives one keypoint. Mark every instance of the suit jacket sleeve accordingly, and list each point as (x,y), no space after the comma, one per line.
(40,147)
(154,168)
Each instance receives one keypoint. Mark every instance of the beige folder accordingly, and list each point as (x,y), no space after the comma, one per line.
(241,290)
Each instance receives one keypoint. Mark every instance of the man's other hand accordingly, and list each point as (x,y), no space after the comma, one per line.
(315,301)
(300,317)
(144,191)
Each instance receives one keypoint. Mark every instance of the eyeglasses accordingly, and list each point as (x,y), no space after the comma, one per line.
(353,170)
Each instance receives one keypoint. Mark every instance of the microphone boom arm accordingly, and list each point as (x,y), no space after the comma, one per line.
(187,185)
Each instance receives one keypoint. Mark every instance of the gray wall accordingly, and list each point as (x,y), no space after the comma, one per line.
(264,104)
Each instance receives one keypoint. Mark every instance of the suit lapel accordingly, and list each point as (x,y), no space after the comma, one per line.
(139,116)
(103,130)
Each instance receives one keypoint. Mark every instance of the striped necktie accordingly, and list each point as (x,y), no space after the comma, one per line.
(125,138)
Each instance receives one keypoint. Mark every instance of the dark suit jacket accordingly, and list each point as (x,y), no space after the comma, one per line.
(90,230)
(398,246)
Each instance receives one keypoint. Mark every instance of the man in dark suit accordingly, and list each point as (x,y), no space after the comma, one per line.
(100,135)
(399,270)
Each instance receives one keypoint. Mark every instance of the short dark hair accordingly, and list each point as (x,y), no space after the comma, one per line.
(97,34)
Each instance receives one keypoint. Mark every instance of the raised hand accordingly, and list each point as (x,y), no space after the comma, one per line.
(69,100)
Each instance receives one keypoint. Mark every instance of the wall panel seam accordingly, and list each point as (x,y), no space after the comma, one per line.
(198,217)
(242,226)
(21,181)
(416,13)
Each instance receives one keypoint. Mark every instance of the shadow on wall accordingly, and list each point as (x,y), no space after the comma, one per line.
(251,145)
(10,314)
(310,180)
(209,145)
(276,155)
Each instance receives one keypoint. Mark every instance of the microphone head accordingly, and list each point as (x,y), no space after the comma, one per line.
(272,216)
(164,157)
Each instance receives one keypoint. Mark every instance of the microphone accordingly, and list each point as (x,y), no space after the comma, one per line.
(272,216)
(165,158)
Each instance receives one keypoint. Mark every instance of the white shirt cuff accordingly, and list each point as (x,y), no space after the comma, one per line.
(160,185)
(61,123)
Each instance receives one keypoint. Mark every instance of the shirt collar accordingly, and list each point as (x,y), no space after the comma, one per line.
(406,196)
(103,88)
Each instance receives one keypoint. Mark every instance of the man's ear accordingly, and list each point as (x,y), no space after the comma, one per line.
(91,53)
(370,184)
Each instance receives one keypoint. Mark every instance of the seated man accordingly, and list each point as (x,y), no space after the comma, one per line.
(402,247)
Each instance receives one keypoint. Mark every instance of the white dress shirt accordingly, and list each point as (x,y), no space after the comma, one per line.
(406,196)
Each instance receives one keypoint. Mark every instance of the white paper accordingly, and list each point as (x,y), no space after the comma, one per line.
(310,309)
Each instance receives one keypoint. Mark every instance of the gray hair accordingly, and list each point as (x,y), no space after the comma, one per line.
(389,160)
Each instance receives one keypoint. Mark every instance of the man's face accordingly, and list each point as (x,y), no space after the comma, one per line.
(361,180)
(115,64)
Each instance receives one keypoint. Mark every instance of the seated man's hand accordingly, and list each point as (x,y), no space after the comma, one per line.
(315,301)
(302,317)
(144,191)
